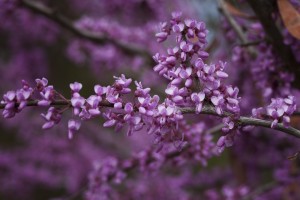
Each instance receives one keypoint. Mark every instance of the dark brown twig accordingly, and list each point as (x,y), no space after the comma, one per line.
(207,109)
(235,26)
(252,43)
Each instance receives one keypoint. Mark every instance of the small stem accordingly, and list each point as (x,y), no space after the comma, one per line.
(253,43)
(215,129)
(236,27)
(245,121)
(64,109)
(35,103)
(61,96)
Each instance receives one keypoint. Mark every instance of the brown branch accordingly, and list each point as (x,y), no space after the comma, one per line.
(264,10)
(235,26)
(94,37)
(252,43)
(245,121)
(232,22)
(55,103)
(207,109)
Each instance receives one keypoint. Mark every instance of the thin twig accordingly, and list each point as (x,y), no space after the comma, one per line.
(245,121)
(56,103)
(35,103)
(236,27)
(252,43)
(232,22)
(215,129)
(207,109)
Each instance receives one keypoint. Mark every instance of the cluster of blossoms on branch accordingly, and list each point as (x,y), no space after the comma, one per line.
(192,82)
(10,99)
(279,110)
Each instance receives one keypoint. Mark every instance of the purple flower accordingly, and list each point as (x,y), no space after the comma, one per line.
(41,84)
(92,105)
(140,91)
(99,90)
(186,47)
(77,102)
(111,119)
(198,99)
(9,109)
(162,36)
(133,120)
(176,16)
(122,83)
(281,109)
(48,94)
(52,117)
(177,28)
(73,126)
(75,87)
(21,96)
(228,124)
(225,141)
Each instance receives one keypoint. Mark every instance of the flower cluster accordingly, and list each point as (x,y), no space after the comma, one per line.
(52,117)
(279,110)
(90,107)
(159,119)
(184,67)
(46,92)
(192,82)
(15,101)
(267,68)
